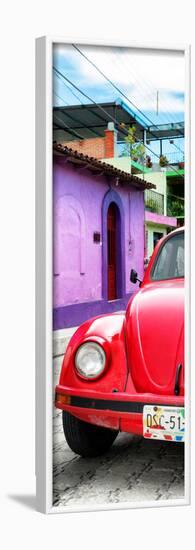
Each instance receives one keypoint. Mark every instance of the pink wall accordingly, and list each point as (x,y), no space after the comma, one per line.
(160,219)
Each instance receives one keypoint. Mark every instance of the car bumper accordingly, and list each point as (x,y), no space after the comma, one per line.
(119,411)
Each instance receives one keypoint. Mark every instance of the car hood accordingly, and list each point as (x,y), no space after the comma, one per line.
(155,336)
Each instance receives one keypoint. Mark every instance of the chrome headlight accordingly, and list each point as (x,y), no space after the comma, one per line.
(90,360)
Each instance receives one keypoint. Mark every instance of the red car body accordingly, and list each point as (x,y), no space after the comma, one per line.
(144,349)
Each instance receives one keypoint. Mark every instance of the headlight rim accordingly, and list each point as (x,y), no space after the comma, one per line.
(106,349)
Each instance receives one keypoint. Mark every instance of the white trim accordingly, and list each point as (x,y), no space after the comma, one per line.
(44,401)
(121,506)
(187,472)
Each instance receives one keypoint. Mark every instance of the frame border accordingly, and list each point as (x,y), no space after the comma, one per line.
(44,285)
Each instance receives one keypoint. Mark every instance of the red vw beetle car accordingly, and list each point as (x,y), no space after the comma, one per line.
(125,371)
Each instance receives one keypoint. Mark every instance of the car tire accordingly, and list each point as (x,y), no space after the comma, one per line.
(86,439)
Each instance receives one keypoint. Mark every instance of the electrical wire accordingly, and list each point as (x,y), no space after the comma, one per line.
(150,94)
(124,131)
(116,87)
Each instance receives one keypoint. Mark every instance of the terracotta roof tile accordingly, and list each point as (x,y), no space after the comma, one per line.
(95,165)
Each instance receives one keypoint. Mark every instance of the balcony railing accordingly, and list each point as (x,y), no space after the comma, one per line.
(175,206)
(173,157)
(154,202)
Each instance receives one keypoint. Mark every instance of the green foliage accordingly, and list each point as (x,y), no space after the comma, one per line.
(175,207)
(152,205)
(135,149)
(148,162)
(163,161)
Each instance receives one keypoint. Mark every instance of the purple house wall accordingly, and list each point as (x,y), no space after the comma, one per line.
(80,204)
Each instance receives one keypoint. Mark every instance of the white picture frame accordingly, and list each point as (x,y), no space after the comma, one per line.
(44,236)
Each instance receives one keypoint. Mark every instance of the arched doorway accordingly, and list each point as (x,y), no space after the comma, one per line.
(113,247)
(69,258)
(112,251)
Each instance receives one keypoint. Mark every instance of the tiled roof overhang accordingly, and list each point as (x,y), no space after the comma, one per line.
(97,167)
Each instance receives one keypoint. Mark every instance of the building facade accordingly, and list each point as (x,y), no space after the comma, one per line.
(98,236)
(158,221)
(158,214)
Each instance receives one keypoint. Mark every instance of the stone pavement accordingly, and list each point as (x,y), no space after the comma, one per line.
(133,470)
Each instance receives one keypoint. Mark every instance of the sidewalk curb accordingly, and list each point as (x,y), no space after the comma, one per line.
(61,339)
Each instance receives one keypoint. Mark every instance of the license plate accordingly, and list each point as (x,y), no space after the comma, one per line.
(166,423)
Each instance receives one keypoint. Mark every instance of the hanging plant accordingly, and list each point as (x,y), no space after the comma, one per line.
(148,162)
(163,161)
(136,149)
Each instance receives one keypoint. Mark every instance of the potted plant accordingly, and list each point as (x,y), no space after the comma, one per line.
(175,208)
(148,162)
(163,161)
(136,149)
(151,205)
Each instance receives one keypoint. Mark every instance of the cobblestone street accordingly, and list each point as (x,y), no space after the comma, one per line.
(133,470)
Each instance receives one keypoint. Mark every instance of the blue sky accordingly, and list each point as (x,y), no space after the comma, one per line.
(140,75)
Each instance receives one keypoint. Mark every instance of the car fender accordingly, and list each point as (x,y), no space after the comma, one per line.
(110,329)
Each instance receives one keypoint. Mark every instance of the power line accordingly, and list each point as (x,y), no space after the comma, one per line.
(87,96)
(125,65)
(71,91)
(114,85)
(124,131)
(146,85)
(69,129)
(62,76)
(61,98)
(77,120)
(111,82)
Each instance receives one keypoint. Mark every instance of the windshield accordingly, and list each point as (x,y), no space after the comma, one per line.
(170,260)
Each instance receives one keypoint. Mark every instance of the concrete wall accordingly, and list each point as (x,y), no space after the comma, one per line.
(122,163)
(158,177)
(151,229)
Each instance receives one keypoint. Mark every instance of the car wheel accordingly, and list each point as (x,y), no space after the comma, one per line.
(86,439)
